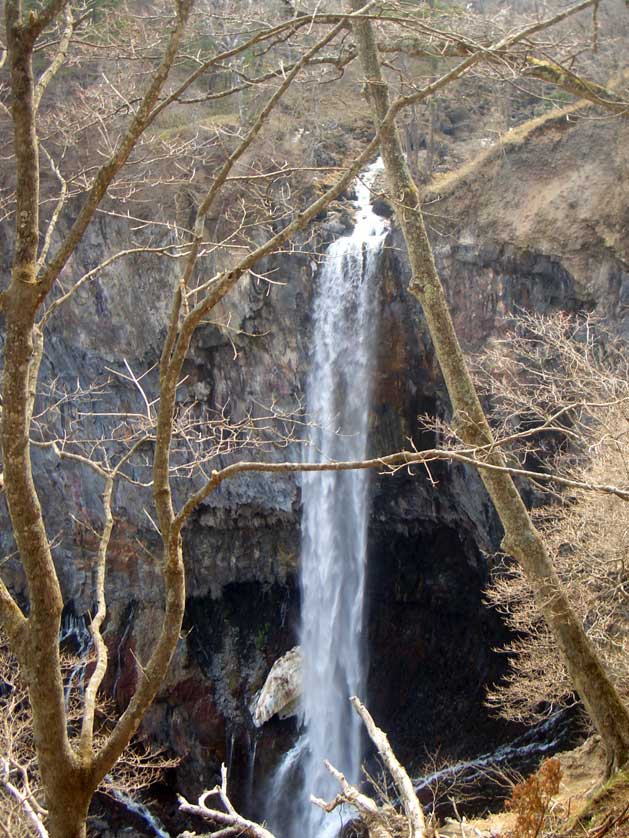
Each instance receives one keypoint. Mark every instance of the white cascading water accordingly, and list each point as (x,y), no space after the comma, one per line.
(334,524)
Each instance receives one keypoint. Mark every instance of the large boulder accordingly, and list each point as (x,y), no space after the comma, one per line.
(282,689)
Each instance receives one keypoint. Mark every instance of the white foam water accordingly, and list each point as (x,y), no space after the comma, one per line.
(334,524)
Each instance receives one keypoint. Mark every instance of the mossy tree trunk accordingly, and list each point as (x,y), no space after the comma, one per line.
(70,769)
(521,539)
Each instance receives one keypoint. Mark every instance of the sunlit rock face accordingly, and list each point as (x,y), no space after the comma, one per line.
(282,689)
(543,227)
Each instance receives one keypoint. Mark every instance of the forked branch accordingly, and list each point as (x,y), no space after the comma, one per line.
(413,810)
(227,820)
(379,818)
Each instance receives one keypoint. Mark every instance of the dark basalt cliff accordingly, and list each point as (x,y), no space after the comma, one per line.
(542,226)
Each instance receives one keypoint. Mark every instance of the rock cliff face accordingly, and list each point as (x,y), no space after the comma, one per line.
(540,227)
(547,236)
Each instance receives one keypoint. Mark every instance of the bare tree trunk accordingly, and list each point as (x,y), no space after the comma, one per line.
(67,813)
(69,780)
(65,782)
(521,539)
(228,818)
(430,144)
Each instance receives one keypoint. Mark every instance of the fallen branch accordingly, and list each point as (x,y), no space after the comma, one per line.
(609,823)
(374,817)
(403,783)
(230,821)
(381,821)
(560,76)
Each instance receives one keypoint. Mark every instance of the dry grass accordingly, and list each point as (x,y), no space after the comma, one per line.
(445,183)
(607,814)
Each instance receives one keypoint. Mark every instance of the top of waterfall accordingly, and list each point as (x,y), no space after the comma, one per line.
(368,223)
(365,182)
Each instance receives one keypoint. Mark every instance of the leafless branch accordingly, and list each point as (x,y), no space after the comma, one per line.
(228,820)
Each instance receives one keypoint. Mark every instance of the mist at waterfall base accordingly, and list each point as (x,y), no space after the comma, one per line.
(334,526)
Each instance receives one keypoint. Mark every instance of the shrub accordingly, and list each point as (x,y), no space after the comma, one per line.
(531,799)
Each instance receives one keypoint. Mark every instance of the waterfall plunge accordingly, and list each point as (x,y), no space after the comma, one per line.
(334,524)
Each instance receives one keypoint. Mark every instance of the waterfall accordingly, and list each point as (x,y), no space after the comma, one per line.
(334,522)
(153,824)
(74,634)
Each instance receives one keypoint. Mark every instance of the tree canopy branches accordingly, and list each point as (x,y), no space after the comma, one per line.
(193,135)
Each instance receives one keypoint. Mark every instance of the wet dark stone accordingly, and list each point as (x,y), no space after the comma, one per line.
(382,207)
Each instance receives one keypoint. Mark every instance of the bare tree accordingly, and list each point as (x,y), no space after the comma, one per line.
(72,764)
(582,405)
(22,812)
(521,540)
(78,157)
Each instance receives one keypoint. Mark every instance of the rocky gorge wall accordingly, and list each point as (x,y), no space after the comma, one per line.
(541,226)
